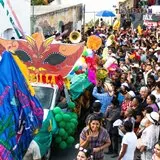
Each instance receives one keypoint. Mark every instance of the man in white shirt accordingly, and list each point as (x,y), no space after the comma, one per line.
(33,152)
(129,141)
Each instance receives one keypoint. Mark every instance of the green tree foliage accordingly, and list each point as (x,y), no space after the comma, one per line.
(37,2)
(40,2)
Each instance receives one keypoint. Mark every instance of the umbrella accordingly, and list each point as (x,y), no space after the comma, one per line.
(105,13)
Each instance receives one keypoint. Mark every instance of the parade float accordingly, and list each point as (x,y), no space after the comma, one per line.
(54,73)
(46,66)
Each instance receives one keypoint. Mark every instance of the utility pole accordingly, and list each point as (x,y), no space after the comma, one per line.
(84,8)
(32,19)
(94,16)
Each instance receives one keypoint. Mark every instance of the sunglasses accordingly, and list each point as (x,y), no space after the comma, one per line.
(82,149)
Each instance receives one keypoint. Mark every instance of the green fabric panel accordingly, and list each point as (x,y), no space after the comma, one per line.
(44,137)
(78,84)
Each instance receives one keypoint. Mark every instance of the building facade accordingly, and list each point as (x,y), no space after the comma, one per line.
(14,18)
(49,19)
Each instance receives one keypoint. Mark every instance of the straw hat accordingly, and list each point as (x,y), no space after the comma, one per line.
(153,117)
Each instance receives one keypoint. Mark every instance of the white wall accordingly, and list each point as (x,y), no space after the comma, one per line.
(21,9)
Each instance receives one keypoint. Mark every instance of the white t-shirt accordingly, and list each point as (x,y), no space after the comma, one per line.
(131,140)
(33,152)
(157,95)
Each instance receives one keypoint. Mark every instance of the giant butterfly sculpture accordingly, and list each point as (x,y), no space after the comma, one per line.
(41,56)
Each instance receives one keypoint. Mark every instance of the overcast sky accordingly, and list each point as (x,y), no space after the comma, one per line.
(95,5)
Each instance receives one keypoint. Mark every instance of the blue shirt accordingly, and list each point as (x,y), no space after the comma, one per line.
(104,98)
(120,98)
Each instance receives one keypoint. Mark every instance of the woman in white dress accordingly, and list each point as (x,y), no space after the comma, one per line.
(149,135)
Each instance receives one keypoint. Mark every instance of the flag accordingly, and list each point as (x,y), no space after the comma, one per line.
(139,30)
(20,113)
(116,24)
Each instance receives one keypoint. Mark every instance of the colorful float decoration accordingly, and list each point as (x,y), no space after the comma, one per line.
(67,123)
(101,74)
(21,113)
(94,42)
(46,62)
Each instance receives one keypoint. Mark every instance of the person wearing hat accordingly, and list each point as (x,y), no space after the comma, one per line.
(150,135)
(123,90)
(145,111)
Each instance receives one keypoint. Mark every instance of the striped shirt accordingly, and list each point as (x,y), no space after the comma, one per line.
(95,142)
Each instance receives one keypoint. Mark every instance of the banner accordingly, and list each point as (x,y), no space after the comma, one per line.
(21,114)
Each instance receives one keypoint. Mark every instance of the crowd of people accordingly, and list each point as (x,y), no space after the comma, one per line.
(126,103)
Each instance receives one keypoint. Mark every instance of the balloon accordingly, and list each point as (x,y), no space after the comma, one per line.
(76,68)
(94,42)
(72,125)
(85,53)
(70,140)
(57,110)
(90,53)
(67,126)
(58,117)
(83,60)
(65,136)
(66,117)
(80,67)
(62,124)
(70,131)
(71,105)
(74,115)
(58,139)
(61,132)
(63,145)
(73,120)
(71,73)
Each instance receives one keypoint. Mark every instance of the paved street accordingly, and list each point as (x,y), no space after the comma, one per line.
(70,154)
